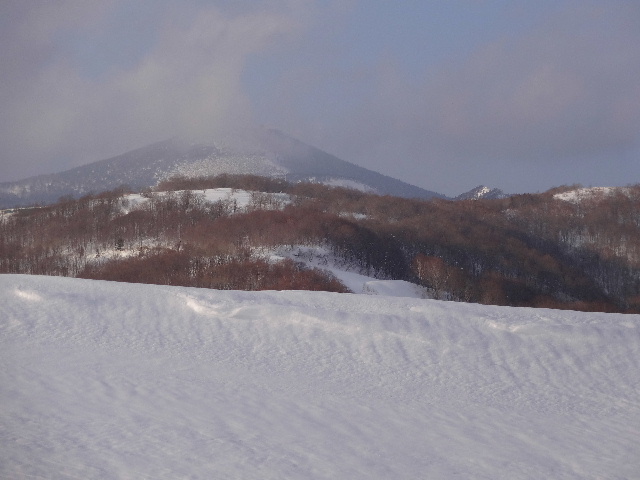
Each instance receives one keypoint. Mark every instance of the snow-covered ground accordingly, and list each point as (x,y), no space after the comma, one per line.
(579,194)
(352,184)
(113,380)
(228,162)
(321,257)
(242,199)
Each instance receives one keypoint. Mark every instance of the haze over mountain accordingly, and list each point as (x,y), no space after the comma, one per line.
(262,152)
(524,96)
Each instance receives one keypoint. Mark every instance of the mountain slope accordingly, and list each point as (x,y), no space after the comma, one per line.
(482,192)
(220,232)
(266,153)
(112,380)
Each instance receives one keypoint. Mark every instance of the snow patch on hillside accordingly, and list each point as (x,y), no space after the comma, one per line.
(242,200)
(228,163)
(349,275)
(17,190)
(482,192)
(591,193)
(113,380)
(352,184)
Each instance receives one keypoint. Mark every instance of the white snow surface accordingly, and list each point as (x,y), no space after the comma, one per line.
(320,257)
(243,198)
(580,194)
(352,184)
(229,162)
(480,191)
(107,380)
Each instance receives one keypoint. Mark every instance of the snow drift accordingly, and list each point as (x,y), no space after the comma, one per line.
(112,380)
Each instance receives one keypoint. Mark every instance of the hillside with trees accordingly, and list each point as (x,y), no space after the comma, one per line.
(539,250)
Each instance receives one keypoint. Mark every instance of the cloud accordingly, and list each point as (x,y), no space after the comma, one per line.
(83,80)
(567,90)
(564,92)
(187,83)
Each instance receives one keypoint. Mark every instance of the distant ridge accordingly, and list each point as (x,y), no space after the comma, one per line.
(267,153)
(481,192)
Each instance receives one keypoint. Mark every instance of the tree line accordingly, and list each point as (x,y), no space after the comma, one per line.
(525,250)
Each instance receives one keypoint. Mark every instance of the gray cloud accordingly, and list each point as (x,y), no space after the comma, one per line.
(555,101)
(187,84)
(562,96)
(569,89)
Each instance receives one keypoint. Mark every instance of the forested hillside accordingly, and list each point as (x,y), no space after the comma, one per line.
(545,250)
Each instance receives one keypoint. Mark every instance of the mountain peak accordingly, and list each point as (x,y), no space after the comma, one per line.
(265,152)
(481,192)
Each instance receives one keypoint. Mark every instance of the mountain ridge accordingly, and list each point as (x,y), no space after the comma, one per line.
(482,192)
(270,153)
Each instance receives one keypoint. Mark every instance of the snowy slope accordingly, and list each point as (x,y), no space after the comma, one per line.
(590,193)
(242,199)
(482,192)
(108,380)
(266,153)
(321,257)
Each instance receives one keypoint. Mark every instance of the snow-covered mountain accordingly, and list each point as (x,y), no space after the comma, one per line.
(113,380)
(265,153)
(482,192)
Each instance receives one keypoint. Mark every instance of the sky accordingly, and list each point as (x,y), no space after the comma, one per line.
(446,95)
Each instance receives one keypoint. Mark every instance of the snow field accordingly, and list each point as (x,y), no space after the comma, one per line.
(113,380)
(316,256)
(580,194)
(243,198)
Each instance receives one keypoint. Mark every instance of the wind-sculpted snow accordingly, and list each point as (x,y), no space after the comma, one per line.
(112,380)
